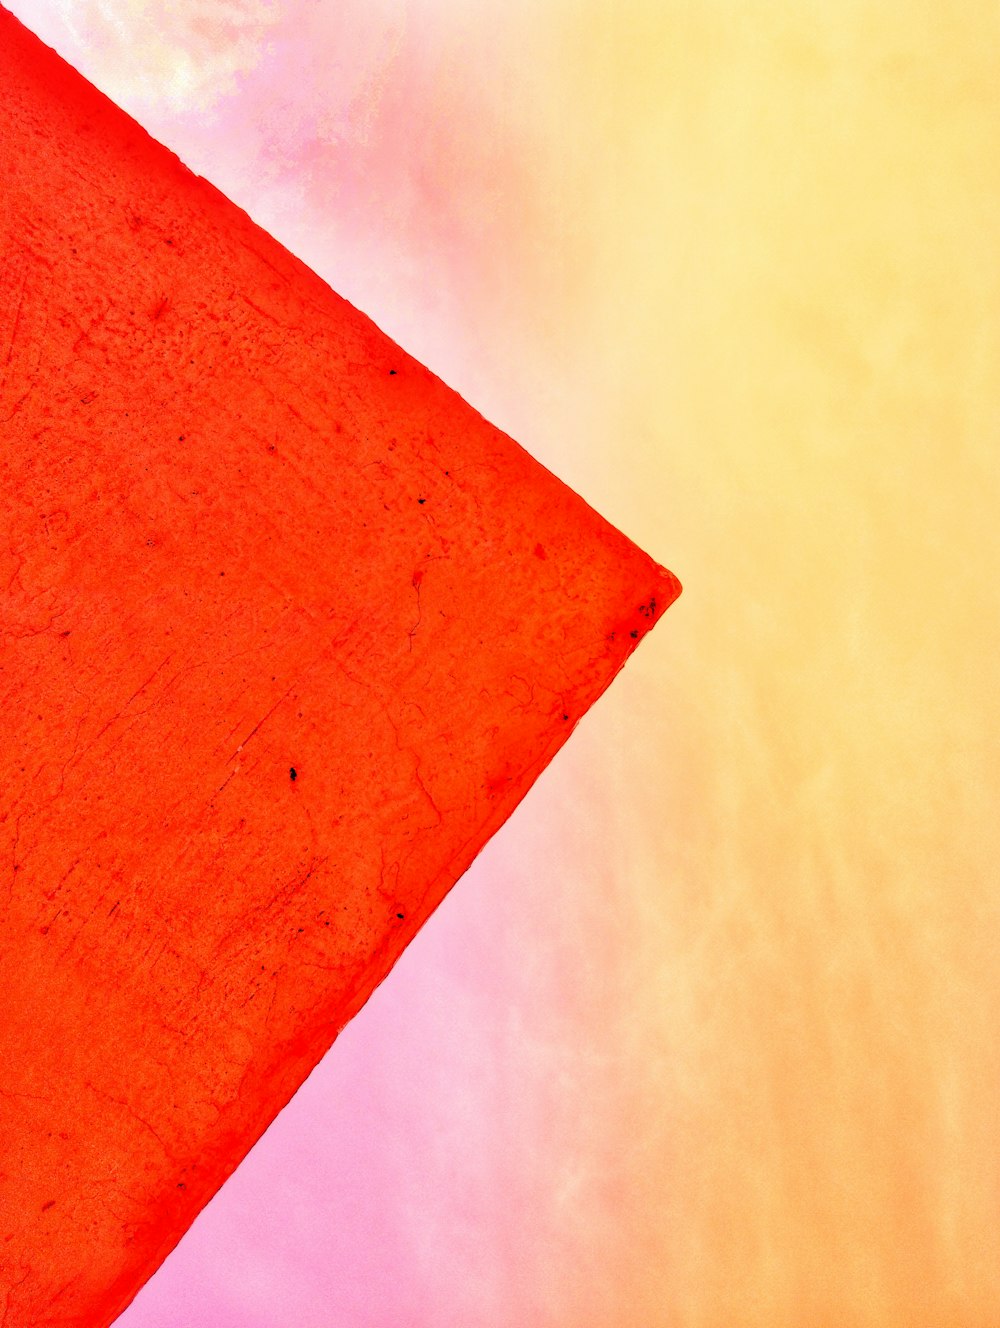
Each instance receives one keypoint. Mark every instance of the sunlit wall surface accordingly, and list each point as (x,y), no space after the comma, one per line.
(709,1034)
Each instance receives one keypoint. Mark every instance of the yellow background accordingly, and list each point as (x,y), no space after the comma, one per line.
(790,213)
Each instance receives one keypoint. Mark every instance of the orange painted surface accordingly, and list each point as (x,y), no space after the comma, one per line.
(286,632)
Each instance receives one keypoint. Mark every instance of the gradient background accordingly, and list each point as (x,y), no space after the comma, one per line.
(708,1036)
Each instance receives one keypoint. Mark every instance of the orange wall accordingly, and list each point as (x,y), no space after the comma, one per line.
(731,270)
